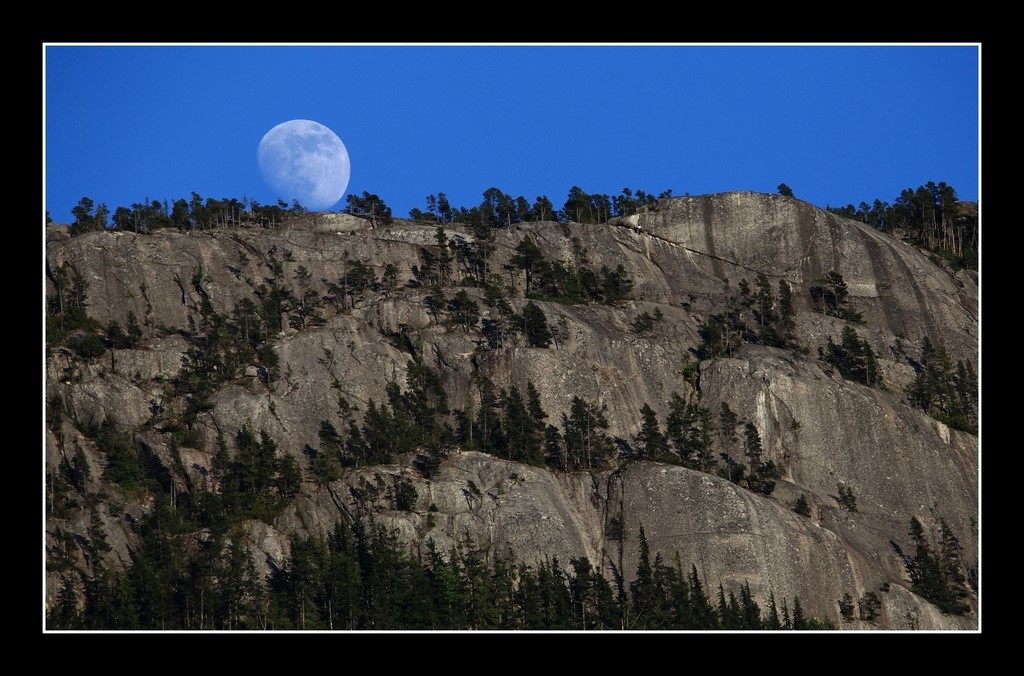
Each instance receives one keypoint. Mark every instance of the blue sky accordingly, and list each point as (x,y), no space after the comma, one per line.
(838,124)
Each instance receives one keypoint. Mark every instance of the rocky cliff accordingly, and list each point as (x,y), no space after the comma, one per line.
(686,259)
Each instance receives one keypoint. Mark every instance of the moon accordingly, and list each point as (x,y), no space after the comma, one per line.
(305,161)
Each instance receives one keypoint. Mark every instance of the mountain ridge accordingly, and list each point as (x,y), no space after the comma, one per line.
(685,259)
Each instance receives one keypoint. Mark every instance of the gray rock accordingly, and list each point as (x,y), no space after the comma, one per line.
(684,257)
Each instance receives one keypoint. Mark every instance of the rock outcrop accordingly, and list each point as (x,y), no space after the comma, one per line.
(685,258)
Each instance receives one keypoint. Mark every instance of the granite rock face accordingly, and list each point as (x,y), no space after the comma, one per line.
(685,258)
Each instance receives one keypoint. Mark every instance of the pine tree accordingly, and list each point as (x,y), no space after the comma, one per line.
(642,590)
(952,558)
(869,605)
(801,506)
(786,621)
(491,436)
(652,441)
(965,383)
(534,405)
(799,621)
(98,543)
(723,610)
(772,622)
(535,326)
(703,612)
(835,293)
(529,258)
(327,463)
(464,311)
(926,568)
(586,444)
(763,302)
(65,614)
(762,474)
(728,421)
(523,445)
(847,500)
(786,311)
(938,575)
(751,611)
(752,445)
(734,614)
(846,607)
